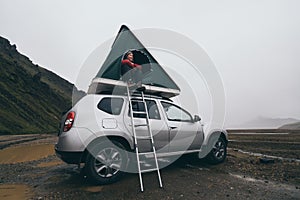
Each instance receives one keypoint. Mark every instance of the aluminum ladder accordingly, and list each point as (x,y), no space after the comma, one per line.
(141,99)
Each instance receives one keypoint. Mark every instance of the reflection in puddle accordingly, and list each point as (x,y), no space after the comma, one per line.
(25,153)
(93,189)
(246,178)
(50,164)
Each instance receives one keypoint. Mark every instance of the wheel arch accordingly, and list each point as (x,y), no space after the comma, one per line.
(210,139)
(119,139)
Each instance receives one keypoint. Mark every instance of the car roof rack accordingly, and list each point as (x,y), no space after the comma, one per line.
(118,87)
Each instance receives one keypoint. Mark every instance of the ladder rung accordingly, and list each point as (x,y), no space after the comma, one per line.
(146,153)
(137,100)
(143,137)
(140,125)
(140,98)
(136,95)
(149,170)
(139,112)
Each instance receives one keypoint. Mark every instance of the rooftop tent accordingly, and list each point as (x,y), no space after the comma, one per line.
(153,73)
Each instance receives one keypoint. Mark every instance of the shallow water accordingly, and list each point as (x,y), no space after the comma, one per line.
(15,191)
(25,153)
(50,164)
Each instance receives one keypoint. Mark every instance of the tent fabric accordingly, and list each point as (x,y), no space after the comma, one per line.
(153,73)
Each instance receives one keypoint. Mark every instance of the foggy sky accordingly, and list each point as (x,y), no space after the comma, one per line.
(254,44)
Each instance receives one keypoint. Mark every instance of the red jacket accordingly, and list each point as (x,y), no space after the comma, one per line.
(131,64)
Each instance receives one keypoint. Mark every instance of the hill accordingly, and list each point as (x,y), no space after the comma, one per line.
(268,123)
(32,98)
(291,126)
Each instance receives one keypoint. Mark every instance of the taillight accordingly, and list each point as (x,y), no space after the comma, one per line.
(69,121)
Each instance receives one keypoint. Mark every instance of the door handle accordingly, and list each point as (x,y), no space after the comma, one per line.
(172,127)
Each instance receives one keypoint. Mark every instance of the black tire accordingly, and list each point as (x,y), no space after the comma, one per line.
(106,162)
(219,152)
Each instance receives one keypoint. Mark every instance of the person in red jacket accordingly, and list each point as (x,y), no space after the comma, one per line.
(131,71)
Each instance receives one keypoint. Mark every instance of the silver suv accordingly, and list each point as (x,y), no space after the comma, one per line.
(97,132)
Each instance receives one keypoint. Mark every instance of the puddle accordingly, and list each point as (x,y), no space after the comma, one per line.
(50,164)
(93,189)
(15,191)
(267,156)
(25,153)
(196,167)
(249,179)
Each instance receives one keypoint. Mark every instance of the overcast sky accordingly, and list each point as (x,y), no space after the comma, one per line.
(254,44)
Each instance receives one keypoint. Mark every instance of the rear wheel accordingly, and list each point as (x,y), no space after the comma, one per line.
(219,152)
(106,162)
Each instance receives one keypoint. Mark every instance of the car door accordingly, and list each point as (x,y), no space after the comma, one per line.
(184,133)
(158,126)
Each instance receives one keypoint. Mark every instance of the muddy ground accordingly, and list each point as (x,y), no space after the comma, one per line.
(30,170)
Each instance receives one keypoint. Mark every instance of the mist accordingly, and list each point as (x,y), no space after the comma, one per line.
(254,45)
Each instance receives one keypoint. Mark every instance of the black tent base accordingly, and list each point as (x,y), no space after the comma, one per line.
(118,87)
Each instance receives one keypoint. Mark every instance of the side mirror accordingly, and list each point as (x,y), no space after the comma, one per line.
(197,118)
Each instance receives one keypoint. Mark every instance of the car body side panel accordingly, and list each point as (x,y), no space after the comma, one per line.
(183,135)
(75,140)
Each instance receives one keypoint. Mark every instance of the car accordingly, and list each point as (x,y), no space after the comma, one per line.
(97,131)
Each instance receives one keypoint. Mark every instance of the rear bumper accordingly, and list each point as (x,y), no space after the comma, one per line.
(70,157)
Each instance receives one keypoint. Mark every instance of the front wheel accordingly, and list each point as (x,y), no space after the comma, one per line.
(106,162)
(219,152)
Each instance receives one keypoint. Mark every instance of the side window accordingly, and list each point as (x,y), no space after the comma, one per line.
(138,106)
(175,113)
(110,105)
(151,107)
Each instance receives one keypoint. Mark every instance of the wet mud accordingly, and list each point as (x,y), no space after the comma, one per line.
(15,191)
(30,170)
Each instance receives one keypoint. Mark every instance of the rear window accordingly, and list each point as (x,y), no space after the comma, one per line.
(111,105)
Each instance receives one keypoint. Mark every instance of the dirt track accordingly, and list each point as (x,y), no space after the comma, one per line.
(30,170)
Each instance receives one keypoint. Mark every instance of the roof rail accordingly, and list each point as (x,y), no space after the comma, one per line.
(118,87)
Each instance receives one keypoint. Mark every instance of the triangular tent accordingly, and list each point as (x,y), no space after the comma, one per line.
(153,73)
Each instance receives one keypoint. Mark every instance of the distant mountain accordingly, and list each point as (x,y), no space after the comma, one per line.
(32,98)
(268,123)
(291,126)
